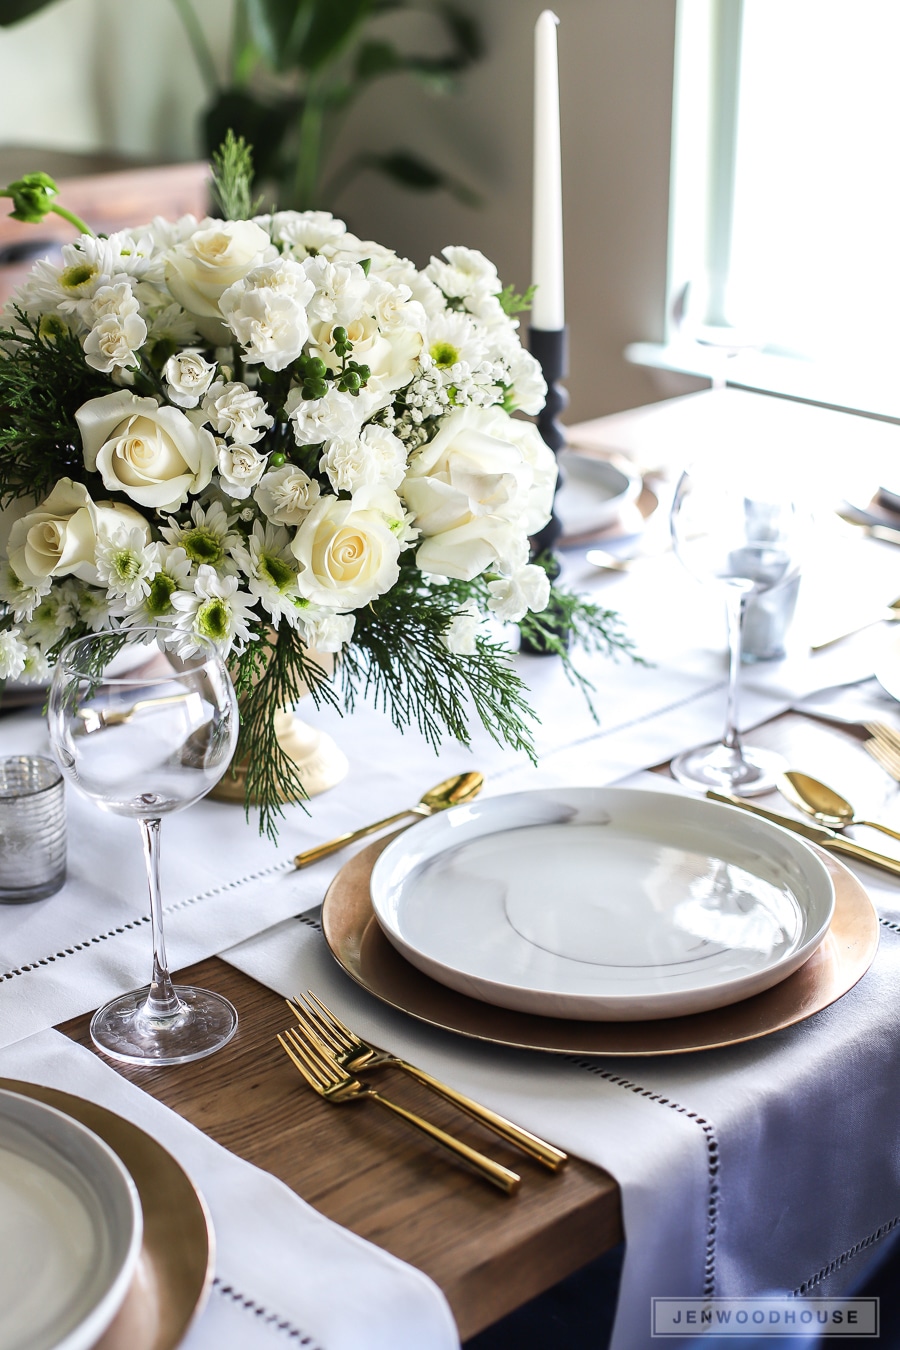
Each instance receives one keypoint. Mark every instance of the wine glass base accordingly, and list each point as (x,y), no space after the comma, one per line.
(747,772)
(124,1031)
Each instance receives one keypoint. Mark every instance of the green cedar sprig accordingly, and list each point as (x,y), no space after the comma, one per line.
(42,379)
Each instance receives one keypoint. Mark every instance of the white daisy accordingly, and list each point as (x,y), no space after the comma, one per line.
(271,570)
(13,653)
(173,574)
(125,562)
(216,612)
(21,597)
(208,539)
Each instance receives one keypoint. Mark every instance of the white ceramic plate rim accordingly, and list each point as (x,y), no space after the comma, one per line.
(433,836)
(609,508)
(102,1171)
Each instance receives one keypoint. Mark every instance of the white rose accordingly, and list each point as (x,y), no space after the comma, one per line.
(202,267)
(287,495)
(188,375)
(391,354)
(512,597)
(468,470)
(377,456)
(155,455)
(347,549)
(538,456)
(266,311)
(59,538)
(468,550)
(232,410)
(240,468)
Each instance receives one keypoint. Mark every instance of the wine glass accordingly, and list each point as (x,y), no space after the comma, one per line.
(144,744)
(737,526)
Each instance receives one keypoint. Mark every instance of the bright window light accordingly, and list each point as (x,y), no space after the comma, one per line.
(813,263)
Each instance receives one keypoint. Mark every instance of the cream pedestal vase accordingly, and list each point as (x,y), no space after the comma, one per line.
(318,759)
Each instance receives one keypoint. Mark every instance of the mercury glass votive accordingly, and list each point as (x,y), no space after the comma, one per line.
(32,829)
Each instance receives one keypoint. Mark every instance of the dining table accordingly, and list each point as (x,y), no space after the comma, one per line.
(341,1228)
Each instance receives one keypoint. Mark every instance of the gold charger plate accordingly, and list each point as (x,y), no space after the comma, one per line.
(359,946)
(175,1267)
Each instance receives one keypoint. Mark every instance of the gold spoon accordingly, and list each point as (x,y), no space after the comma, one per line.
(462,787)
(826,806)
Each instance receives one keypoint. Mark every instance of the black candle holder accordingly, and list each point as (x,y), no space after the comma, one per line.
(550,347)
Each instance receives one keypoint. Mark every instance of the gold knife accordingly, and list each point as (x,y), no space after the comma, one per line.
(827,839)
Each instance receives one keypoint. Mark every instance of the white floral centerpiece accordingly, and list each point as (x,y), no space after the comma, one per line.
(270,435)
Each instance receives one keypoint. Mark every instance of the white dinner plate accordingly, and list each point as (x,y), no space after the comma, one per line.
(603,904)
(70,1229)
(594,493)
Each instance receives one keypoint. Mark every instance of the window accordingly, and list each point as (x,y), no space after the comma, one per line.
(785,224)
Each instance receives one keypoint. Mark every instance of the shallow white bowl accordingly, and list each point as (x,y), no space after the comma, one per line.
(70,1229)
(602,904)
(594,493)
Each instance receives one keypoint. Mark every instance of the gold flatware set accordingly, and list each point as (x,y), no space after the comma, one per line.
(462,787)
(328,1054)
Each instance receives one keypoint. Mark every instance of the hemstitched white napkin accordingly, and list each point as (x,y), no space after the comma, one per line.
(284,1274)
(766,1167)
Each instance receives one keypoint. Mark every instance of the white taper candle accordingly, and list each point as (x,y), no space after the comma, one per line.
(548,309)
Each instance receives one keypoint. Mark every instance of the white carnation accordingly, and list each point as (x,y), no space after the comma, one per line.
(325,631)
(113,342)
(465,273)
(337,416)
(233,411)
(188,376)
(459,635)
(240,468)
(266,311)
(512,597)
(377,456)
(307,233)
(339,290)
(287,495)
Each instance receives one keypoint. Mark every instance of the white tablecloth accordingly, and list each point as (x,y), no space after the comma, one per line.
(223,883)
(695,1140)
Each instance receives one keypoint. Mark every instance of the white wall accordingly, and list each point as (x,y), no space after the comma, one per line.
(117,75)
(112,75)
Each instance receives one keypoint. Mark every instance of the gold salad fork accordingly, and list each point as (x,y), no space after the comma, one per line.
(336,1086)
(351,1052)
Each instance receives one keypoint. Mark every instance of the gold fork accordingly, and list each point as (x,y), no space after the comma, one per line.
(330,1081)
(352,1053)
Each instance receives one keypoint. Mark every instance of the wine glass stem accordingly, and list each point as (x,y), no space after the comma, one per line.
(736,601)
(162,1001)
